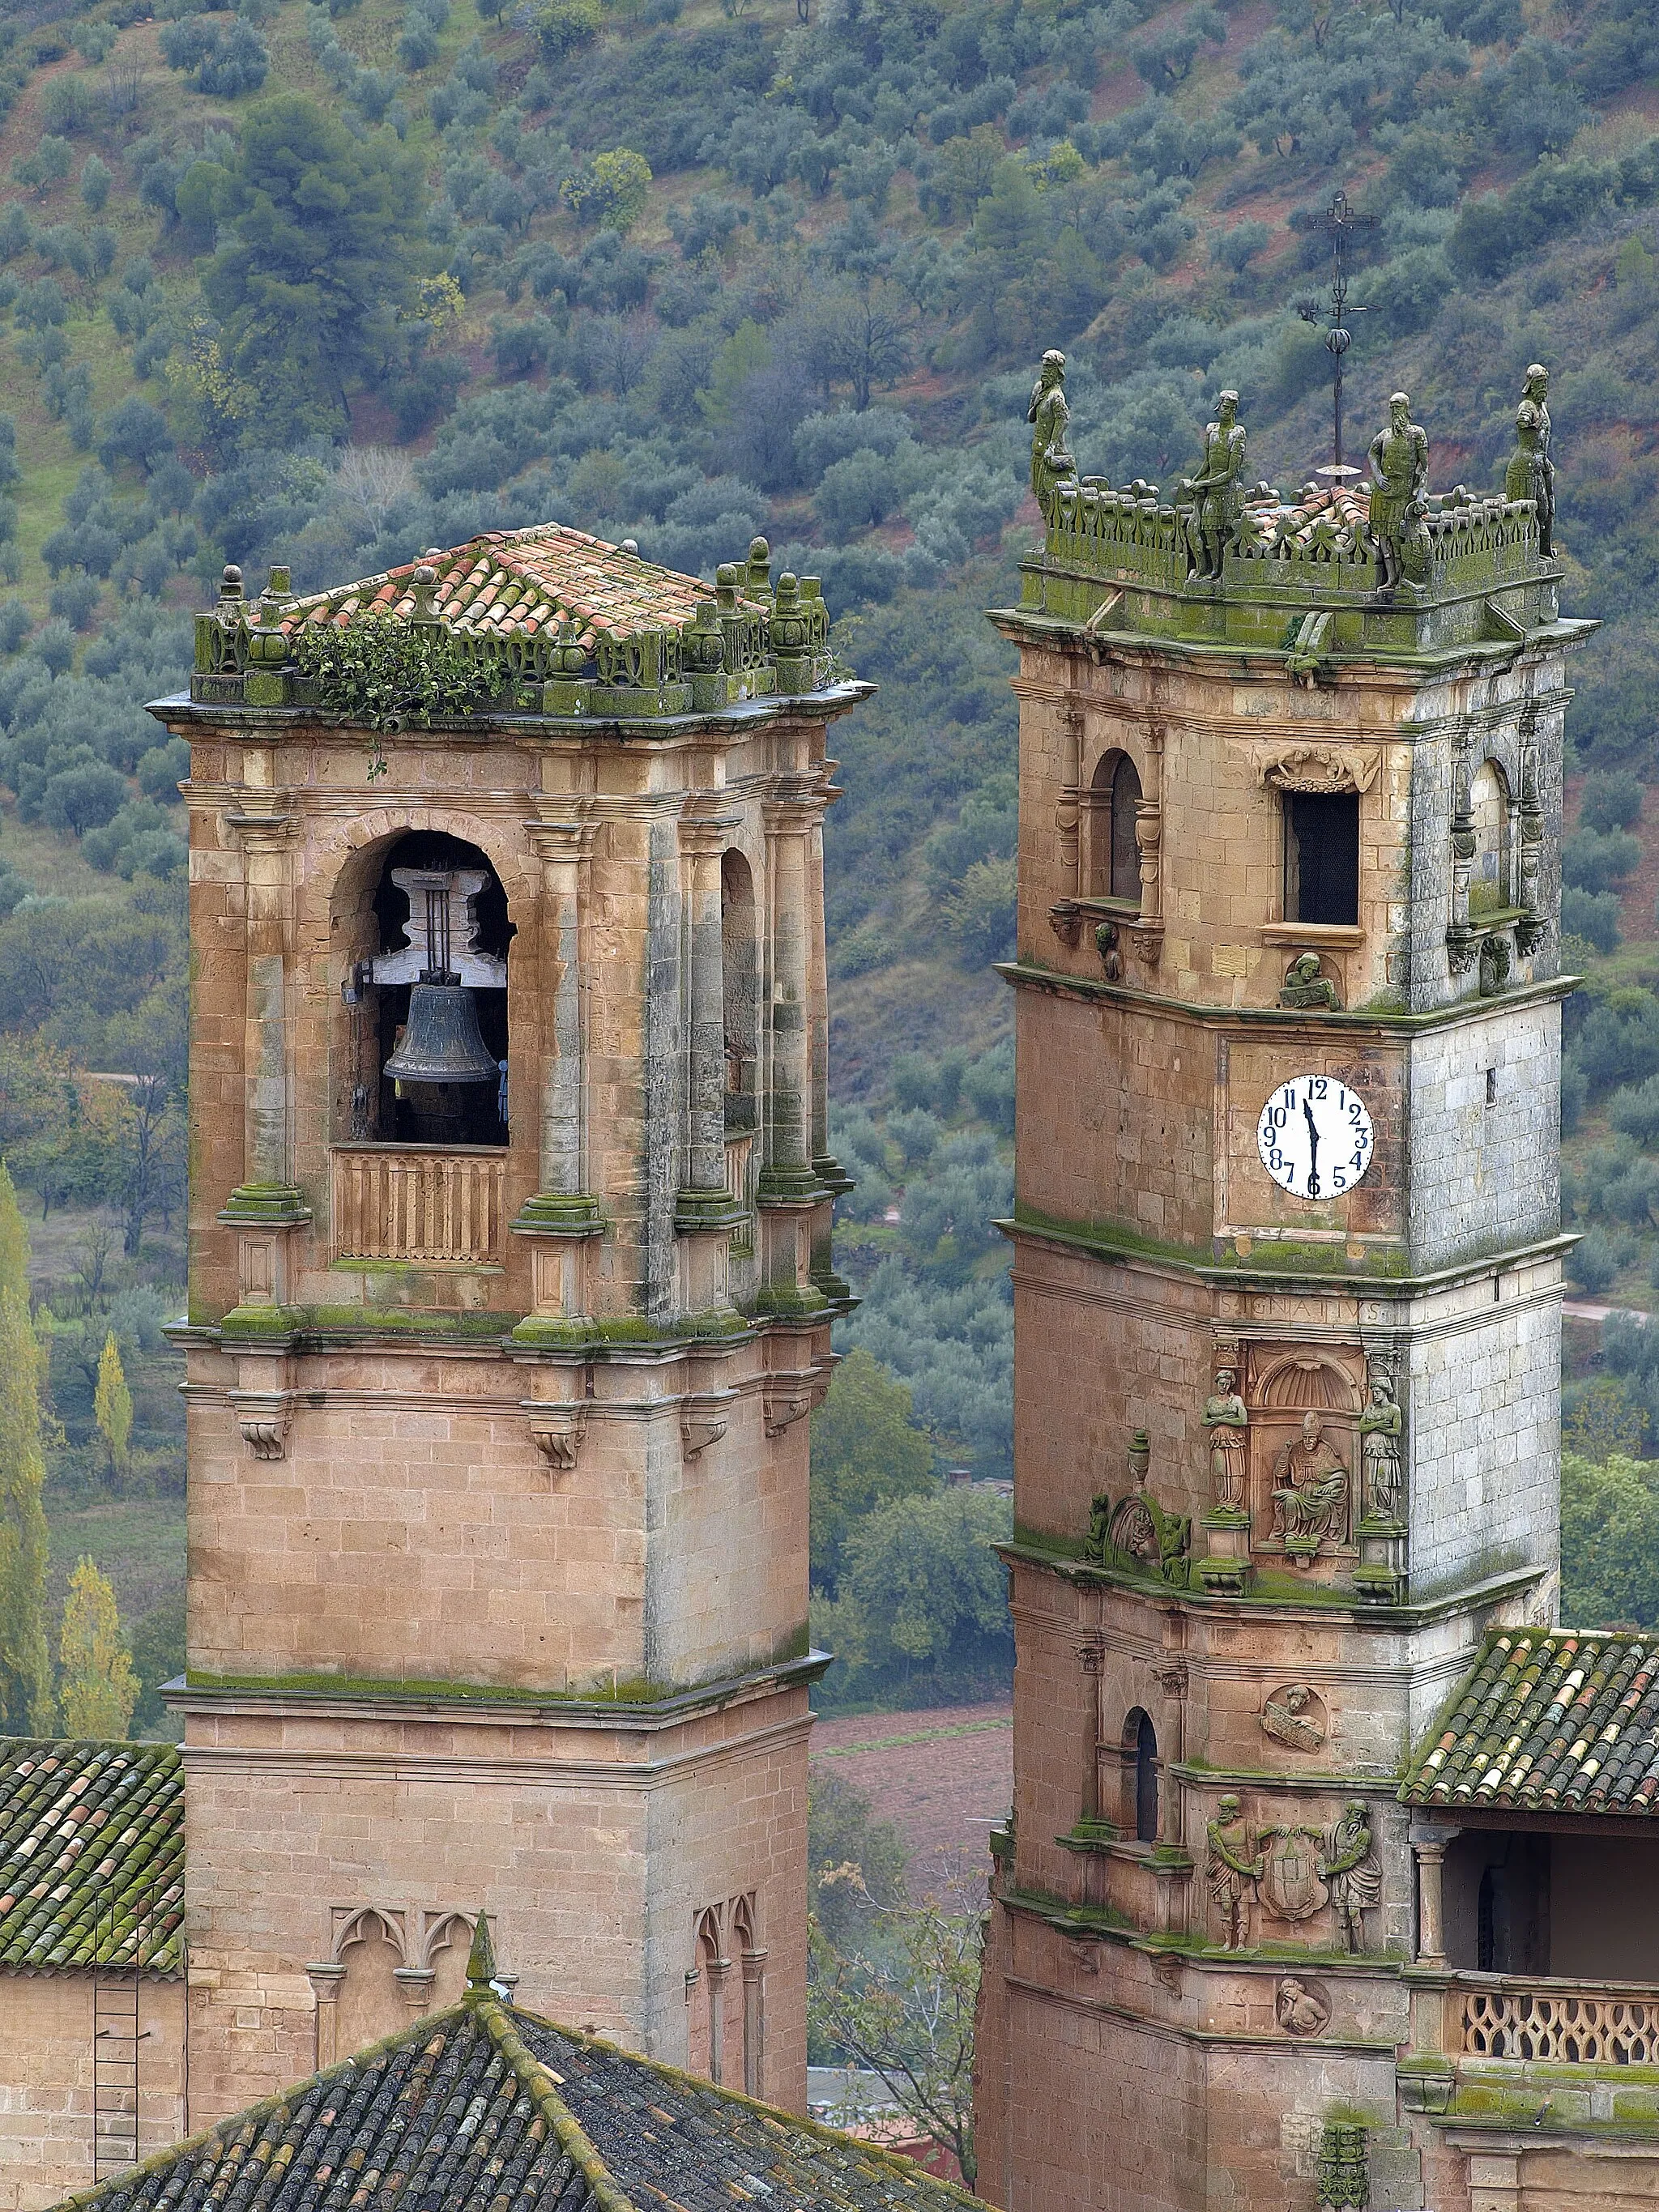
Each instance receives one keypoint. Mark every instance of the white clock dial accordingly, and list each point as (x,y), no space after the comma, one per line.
(1315,1137)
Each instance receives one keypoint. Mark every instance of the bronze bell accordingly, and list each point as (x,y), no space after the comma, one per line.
(440,1042)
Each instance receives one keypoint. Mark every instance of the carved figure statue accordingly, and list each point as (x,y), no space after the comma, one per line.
(1233,1868)
(1050,420)
(1381,1428)
(1399,467)
(1531,473)
(1225,1419)
(1311,1491)
(1100,1521)
(1217,500)
(1350,1871)
(1304,984)
(1299,2007)
(1292,1717)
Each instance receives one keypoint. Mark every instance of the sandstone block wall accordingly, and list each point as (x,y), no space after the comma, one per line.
(46,2082)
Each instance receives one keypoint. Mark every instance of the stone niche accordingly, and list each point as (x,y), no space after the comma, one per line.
(1304,1404)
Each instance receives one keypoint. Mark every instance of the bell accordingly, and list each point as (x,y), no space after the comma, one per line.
(440,1041)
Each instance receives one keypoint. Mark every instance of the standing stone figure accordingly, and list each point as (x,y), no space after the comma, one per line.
(1050,418)
(1214,490)
(1350,1872)
(1225,1419)
(1531,471)
(1381,1427)
(1399,467)
(1311,1489)
(1233,1869)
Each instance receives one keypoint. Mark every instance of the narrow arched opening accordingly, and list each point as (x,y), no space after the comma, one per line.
(740,1008)
(1491,888)
(427,1045)
(1140,1759)
(1113,855)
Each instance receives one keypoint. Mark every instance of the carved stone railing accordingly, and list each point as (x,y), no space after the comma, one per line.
(419,1203)
(1512,2018)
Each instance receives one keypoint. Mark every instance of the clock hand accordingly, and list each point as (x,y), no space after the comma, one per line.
(1313,1149)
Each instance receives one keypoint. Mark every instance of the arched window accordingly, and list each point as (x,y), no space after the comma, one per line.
(1140,1749)
(1114,857)
(424,904)
(370,2004)
(1489,798)
(706,1988)
(742,999)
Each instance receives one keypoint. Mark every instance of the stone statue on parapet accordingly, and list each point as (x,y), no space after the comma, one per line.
(1399,468)
(1531,473)
(1051,419)
(1216,501)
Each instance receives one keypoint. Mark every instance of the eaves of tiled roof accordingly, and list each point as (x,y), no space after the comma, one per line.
(91,1855)
(1548,1721)
(485,2106)
(524,583)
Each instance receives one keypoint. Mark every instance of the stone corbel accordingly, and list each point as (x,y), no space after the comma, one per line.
(704,1419)
(263,1417)
(557,1429)
(415,1986)
(1065,919)
(787,1399)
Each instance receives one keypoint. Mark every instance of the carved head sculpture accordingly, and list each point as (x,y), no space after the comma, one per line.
(1296,1698)
(1400,410)
(1229,1811)
(1536,388)
(1227,1381)
(1313,1429)
(1227,407)
(1381,1387)
(1053,369)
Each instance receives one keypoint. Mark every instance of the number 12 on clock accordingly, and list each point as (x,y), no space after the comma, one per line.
(1315,1137)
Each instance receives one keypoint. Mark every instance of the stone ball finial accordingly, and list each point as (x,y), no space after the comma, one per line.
(631,545)
(233,576)
(424,578)
(759,550)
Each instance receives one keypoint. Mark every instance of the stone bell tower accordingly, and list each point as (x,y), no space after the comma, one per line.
(509,1294)
(1286,1274)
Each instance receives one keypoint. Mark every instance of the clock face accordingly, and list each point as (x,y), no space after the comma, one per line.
(1315,1137)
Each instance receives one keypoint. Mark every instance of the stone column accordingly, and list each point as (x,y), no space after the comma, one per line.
(754,2022)
(705,1213)
(1431,1853)
(325,1980)
(564,1214)
(832,1178)
(789,1189)
(265,1207)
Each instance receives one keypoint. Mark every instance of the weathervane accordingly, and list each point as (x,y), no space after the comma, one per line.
(1338,219)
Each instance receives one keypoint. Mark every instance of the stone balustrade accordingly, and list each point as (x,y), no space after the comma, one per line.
(1590,2024)
(419,1202)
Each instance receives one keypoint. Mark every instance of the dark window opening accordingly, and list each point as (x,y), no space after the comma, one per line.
(1126,854)
(1145,1781)
(1322,857)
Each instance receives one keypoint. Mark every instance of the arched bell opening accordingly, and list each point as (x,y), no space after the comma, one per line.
(740,985)
(1140,1776)
(428,1040)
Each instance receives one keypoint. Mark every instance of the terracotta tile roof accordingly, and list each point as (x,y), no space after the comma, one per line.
(485,2106)
(1548,1721)
(91,1855)
(523,583)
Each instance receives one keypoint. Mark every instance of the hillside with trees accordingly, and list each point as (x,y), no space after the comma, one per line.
(329,283)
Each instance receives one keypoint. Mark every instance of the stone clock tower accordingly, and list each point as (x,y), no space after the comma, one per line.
(1286,1272)
(509,1296)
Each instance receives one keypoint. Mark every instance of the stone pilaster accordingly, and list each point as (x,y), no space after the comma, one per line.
(789,1191)
(704,1213)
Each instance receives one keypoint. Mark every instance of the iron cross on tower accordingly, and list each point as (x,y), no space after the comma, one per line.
(1338,219)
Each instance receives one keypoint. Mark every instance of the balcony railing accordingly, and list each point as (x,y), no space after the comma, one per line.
(419,1202)
(1563,2027)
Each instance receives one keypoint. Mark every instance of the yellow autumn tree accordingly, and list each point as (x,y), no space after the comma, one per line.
(99,1687)
(25,1699)
(112,1404)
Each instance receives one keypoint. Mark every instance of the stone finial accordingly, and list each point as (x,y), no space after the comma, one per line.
(760,569)
(230,584)
(425,585)
(481,1959)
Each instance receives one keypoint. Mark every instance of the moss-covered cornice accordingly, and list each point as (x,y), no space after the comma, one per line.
(1363,1024)
(726,725)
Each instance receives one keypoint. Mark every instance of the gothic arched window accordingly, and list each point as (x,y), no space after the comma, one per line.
(1114,857)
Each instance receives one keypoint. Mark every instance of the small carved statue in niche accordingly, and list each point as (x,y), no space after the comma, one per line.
(1227,1421)
(1304,984)
(1310,1492)
(1350,1871)
(1399,466)
(1233,1869)
(1111,960)
(1531,473)
(1051,419)
(1100,1522)
(1382,1427)
(1302,2008)
(1214,491)
(1293,1715)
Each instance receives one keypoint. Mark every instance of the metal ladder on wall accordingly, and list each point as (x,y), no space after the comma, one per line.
(116,2036)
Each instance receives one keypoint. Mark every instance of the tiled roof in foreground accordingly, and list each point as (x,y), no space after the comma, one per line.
(1548,1721)
(91,1855)
(485,2107)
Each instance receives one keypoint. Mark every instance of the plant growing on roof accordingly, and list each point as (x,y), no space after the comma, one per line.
(385,672)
